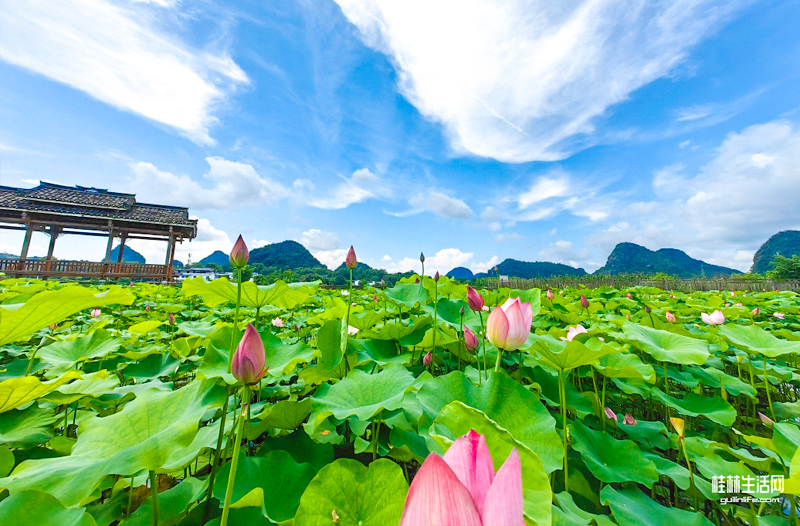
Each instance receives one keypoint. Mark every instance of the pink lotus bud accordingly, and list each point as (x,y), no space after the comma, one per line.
(766,420)
(647,309)
(474,299)
(461,310)
(754,312)
(239,255)
(383,283)
(629,296)
(95,312)
(374,297)
(550,294)
(779,315)
(670,317)
(171,319)
(249,359)
(611,414)
(584,302)
(671,297)
(53,326)
(470,340)
(509,325)
(427,359)
(436,276)
(629,420)
(350,261)
(416,282)
(421,257)
(715,318)
(739,305)
(277,322)
(147,308)
(296,328)
(628,316)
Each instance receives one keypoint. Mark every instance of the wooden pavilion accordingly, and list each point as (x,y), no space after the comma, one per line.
(57,210)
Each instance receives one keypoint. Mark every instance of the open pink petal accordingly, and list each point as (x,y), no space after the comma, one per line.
(437,498)
(517,331)
(470,460)
(527,314)
(497,328)
(503,505)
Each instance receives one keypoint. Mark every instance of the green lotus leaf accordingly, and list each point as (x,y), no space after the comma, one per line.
(647,434)
(407,294)
(279,294)
(54,306)
(91,385)
(361,395)
(367,319)
(15,392)
(718,379)
(201,328)
(399,331)
(172,504)
(151,431)
(503,400)
(714,408)
(302,448)
(145,326)
(575,354)
(666,346)
(625,365)
(612,460)
(286,414)
(64,354)
(575,515)
(25,427)
(255,484)
(450,312)
(631,507)
(756,340)
(670,469)
(458,419)
(34,508)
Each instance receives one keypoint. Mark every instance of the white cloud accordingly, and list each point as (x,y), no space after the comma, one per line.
(443,262)
(386,257)
(113,54)
(524,80)
(316,239)
(544,188)
(234,186)
(440,204)
(483,267)
(563,252)
(362,185)
(331,258)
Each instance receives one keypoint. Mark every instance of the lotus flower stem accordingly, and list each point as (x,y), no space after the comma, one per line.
(130,499)
(562,392)
(217,453)
(235,460)
(485,367)
(435,314)
(766,387)
(236,315)
(499,359)
(603,403)
(347,322)
(154,495)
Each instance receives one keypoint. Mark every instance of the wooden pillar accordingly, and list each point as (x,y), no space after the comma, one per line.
(122,239)
(54,232)
(170,256)
(110,244)
(27,243)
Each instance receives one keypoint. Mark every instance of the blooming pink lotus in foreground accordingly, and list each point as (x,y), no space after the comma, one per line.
(715,318)
(509,325)
(462,488)
(574,331)
(249,359)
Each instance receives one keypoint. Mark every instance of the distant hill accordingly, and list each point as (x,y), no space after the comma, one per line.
(217,257)
(6,255)
(129,255)
(786,244)
(461,273)
(359,266)
(537,269)
(177,264)
(285,255)
(630,258)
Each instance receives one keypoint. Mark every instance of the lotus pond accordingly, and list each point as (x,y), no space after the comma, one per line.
(118,406)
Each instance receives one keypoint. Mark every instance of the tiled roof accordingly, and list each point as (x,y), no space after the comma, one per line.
(91,203)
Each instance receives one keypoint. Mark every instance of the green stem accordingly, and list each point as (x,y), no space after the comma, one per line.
(766,387)
(30,361)
(603,403)
(562,392)
(236,315)
(483,341)
(154,495)
(499,359)
(235,460)
(691,474)
(130,499)
(217,453)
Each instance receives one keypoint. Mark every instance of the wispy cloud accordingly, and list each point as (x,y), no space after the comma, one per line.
(362,185)
(115,55)
(527,80)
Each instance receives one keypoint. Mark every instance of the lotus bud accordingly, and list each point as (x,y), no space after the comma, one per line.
(53,326)
(474,299)
(427,359)
(733,294)
(470,340)
(461,310)
(171,319)
(350,261)
(584,302)
(767,420)
(611,414)
(374,297)
(628,316)
(249,359)
(239,255)
(629,420)
(670,317)
(421,257)
(95,312)
(550,294)
(416,282)
(509,325)
(779,315)
(754,312)
(715,318)
(383,283)
(147,308)
(436,276)
(296,328)
(680,426)
(647,309)
(629,296)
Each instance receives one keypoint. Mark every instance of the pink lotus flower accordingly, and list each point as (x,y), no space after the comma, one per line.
(584,302)
(147,308)
(474,299)
(550,294)
(436,276)
(427,359)
(611,414)
(239,255)
(629,296)
(574,331)
(739,305)
(715,318)
(509,325)
(779,315)
(470,340)
(462,488)
(350,261)
(249,359)
(766,420)
(374,297)
(95,312)
(755,312)
(277,322)
(629,420)
(670,317)
(733,294)
(171,319)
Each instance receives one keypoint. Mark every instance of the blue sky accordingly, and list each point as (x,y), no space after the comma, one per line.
(470,131)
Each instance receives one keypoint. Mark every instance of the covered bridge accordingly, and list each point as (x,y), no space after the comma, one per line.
(58,210)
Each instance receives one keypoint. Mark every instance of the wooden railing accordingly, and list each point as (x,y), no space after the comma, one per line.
(84,269)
